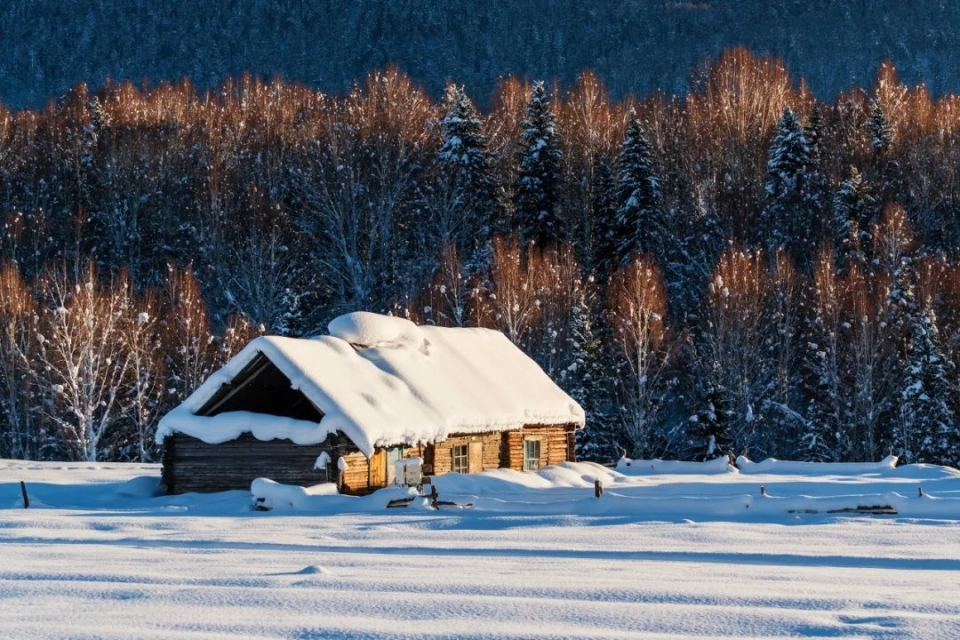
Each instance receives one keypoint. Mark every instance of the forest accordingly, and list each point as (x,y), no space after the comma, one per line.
(747,268)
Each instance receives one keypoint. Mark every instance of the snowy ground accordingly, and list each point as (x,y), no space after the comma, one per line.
(696,551)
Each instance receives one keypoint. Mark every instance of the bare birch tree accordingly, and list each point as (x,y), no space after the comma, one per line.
(637,308)
(83,357)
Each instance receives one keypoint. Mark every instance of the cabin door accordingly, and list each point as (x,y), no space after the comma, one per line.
(378,469)
(394,455)
(476,457)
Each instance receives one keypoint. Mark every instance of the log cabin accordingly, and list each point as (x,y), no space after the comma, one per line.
(345,407)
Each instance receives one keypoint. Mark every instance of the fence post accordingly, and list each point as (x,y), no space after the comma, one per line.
(26,498)
(597,488)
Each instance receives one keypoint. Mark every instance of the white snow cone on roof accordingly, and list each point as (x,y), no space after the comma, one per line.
(370,329)
(384,381)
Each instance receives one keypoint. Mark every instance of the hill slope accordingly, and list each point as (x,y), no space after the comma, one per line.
(635,47)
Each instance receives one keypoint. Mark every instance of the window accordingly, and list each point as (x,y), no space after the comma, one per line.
(531,455)
(461,458)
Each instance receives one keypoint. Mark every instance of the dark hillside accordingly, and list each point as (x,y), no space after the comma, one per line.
(634,47)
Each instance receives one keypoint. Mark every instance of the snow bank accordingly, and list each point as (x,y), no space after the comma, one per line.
(140,487)
(407,385)
(627,466)
(562,490)
(325,498)
(774,466)
(273,495)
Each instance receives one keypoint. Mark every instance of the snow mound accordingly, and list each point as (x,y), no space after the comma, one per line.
(580,474)
(630,467)
(273,495)
(922,471)
(140,487)
(312,570)
(370,329)
(787,467)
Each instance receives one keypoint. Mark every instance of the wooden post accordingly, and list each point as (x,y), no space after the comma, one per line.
(434,496)
(597,488)
(919,492)
(763,491)
(26,498)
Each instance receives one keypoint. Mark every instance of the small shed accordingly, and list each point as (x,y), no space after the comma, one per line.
(346,406)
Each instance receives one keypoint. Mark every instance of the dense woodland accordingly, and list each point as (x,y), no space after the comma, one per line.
(746,269)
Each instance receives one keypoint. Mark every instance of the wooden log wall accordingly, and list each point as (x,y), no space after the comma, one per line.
(356,479)
(189,464)
(442,452)
(554,445)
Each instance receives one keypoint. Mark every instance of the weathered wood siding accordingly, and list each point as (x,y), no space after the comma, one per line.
(190,464)
(555,445)
(356,479)
(442,452)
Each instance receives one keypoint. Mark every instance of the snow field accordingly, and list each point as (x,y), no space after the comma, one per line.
(99,556)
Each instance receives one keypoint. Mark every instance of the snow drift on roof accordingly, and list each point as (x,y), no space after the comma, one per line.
(368,329)
(408,384)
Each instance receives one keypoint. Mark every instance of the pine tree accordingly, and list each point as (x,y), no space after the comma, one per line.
(855,217)
(817,188)
(788,220)
(464,169)
(588,381)
(881,135)
(901,316)
(927,429)
(887,172)
(789,157)
(640,226)
(708,430)
(823,439)
(603,229)
(536,212)
(813,133)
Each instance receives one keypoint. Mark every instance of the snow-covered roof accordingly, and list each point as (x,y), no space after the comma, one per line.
(384,381)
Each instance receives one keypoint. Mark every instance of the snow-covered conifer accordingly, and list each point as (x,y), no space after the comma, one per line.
(465,177)
(589,381)
(708,430)
(603,228)
(536,210)
(856,213)
(824,436)
(926,430)
(639,226)
(788,220)
(881,134)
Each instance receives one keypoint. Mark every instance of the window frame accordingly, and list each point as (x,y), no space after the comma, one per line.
(531,463)
(460,458)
